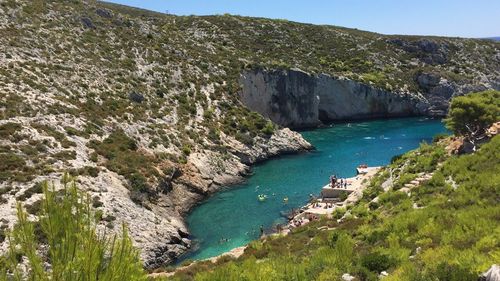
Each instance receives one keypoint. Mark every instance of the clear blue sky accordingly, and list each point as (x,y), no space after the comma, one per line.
(464,18)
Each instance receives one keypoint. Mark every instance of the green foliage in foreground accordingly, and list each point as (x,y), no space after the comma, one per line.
(471,115)
(76,251)
(447,229)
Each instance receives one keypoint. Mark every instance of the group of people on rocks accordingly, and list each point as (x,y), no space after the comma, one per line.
(326,206)
(338,183)
(301,221)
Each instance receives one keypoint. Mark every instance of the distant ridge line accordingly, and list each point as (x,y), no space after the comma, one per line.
(494,38)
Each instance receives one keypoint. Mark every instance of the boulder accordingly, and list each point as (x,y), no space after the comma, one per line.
(428,46)
(493,274)
(428,51)
(347,277)
(438,106)
(105,13)
(383,274)
(87,23)
(433,59)
(136,97)
(427,81)
(443,90)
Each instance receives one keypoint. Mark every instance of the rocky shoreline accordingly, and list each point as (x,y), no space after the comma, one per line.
(204,174)
(357,184)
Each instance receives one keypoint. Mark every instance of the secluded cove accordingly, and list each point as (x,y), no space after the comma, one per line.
(233,217)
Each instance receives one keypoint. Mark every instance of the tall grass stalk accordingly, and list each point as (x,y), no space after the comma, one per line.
(64,244)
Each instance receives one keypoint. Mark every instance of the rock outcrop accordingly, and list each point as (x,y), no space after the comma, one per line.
(294,98)
(493,274)
(297,99)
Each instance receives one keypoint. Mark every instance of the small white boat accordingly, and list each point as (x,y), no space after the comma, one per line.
(262,197)
(362,169)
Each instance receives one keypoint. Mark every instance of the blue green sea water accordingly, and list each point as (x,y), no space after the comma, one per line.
(232,218)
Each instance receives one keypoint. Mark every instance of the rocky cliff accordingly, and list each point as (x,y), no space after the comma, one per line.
(294,98)
(205,173)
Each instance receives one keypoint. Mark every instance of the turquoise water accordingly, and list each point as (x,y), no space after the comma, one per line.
(232,218)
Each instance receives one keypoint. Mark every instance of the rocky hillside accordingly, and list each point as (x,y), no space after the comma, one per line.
(145,109)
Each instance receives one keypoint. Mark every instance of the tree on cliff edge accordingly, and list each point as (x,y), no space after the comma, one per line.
(470,116)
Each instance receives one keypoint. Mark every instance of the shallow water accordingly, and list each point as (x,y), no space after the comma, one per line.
(232,218)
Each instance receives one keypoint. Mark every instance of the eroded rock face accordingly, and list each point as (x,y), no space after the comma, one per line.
(287,97)
(428,80)
(297,99)
(428,51)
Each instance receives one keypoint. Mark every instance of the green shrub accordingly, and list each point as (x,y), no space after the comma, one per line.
(8,129)
(376,262)
(404,179)
(439,137)
(186,149)
(453,272)
(268,129)
(123,157)
(472,114)
(395,158)
(36,188)
(58,136)
(13,167)
(393,197)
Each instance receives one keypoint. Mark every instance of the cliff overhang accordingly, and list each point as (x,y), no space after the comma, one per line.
(296,99)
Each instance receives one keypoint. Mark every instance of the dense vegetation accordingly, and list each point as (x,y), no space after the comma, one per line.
(64,243)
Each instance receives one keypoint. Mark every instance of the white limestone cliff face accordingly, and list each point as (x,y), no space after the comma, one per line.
(287,97)
(296,99)
(341,99)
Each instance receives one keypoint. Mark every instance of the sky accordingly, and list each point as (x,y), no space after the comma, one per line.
(461,18)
